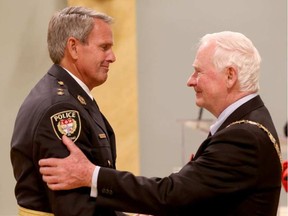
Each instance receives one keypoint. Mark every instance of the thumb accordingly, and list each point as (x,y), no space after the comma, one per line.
(70,144)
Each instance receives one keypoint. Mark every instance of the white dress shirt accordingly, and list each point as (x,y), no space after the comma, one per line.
(82,84)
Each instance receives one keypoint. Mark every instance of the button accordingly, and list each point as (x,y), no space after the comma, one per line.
(107,191)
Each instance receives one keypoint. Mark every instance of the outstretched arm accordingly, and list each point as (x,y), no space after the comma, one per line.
(67,173)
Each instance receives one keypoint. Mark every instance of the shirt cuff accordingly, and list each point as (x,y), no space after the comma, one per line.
(94,191)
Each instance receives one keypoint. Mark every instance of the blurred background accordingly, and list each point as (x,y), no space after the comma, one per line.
(145,98)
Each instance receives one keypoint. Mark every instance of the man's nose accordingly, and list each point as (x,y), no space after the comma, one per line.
(111,57)
(191,81)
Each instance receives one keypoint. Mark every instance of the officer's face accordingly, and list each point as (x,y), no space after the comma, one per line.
(95,56)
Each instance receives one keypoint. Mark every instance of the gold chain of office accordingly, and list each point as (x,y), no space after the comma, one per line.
(271,137)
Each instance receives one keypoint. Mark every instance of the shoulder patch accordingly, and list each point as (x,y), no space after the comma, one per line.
(67,123)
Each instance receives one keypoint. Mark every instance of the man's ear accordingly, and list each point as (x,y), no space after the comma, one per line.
(231,76)
(72,46)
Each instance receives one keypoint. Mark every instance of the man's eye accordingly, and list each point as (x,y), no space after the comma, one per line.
(199,73)
(105,47)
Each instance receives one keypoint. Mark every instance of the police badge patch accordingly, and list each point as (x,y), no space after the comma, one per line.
(67,123)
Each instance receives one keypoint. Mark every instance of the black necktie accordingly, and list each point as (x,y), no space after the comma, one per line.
(97,116)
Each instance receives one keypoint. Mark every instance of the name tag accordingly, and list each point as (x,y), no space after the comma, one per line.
(102,136)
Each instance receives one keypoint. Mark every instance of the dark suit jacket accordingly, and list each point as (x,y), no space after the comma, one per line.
(235,172)
(57,104)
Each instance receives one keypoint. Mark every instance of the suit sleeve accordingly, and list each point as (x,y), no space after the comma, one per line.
(227,165)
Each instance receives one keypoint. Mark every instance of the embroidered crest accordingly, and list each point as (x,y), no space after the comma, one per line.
(67,123)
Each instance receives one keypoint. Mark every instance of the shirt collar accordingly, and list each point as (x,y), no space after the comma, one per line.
(230,109)
(82,84)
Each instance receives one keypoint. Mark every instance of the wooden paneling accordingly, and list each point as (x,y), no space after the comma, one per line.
(117,98)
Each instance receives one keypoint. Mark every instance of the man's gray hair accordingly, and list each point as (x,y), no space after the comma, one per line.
(76,22)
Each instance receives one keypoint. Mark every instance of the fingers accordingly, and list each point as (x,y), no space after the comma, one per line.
(50,174)
(76,155)
(58,186)
(51,180)
(70,144)
(51,162)
(55,180)
(141,215)
(67,173)
(55,186)
(47,170)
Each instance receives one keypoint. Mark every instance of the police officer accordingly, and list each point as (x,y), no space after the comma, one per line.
(80,44)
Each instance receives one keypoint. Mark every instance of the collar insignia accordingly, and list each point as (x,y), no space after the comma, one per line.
(81,100)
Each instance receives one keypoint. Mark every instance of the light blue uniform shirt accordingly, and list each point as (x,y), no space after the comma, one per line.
(230,109)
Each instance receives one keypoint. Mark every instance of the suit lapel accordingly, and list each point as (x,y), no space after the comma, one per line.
(238,114)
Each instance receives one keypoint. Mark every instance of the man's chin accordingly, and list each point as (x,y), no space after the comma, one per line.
(100,81)
(199,103)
